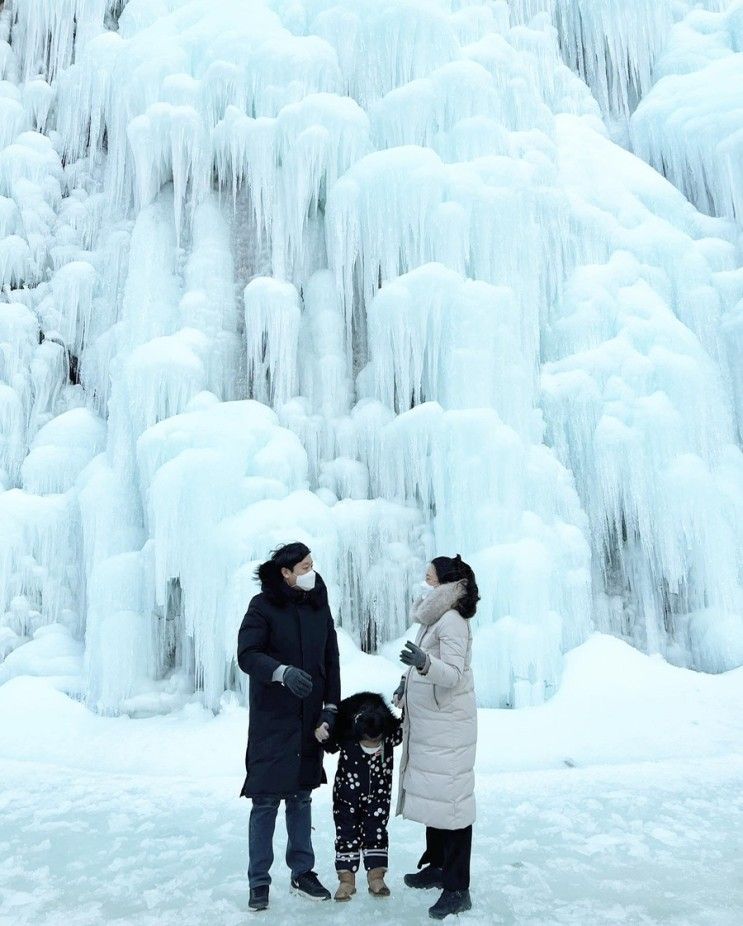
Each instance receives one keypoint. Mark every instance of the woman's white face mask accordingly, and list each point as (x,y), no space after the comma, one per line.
(307,580)
(425,588)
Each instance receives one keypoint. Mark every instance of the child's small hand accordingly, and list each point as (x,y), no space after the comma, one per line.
(322,733)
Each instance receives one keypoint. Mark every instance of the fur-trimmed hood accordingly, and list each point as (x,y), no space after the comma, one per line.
(350,707)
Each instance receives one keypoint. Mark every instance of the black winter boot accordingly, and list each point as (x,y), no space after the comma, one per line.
(450,902)
(425,878)
(258,898)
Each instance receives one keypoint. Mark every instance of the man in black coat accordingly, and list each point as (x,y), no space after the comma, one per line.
(288,647)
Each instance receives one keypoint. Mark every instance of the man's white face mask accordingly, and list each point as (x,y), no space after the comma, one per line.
(307,580)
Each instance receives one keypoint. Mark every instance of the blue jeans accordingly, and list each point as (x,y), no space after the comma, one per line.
(299,855)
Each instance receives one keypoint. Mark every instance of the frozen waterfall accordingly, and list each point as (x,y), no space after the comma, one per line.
(392,277)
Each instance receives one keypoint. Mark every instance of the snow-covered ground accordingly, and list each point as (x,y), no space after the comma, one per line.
(619,801)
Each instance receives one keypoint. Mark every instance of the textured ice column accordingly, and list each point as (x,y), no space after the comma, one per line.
(152,289)
(648,400)
(163,376)
(636,390)
(49,32)
(209,303)
(397,209)
(613,46)
(201,473)
(73,287)
(272,319)
(83,97)
(408,41)
(464,343)
(19,335)
(688,125)
(13,116)
(169,143)
(422,109)
(61,450)
(150,310)
(323,366)
(245,152)
(380,556)
(376,219)
(39,556)
(30,180)
(119,653)
(318,139)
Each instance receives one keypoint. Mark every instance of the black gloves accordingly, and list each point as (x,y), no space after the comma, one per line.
(297,681)
(413,655)
(328,717)
(397,694)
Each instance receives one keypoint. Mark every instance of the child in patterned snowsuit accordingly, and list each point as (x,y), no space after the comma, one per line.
(365,734)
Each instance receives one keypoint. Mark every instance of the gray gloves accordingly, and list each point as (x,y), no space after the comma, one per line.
(297,681)
(413,655)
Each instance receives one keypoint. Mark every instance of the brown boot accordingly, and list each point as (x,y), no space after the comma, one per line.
(377,887)
(347,886)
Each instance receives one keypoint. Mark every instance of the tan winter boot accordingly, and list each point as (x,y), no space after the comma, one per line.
(347,886)
(377,887)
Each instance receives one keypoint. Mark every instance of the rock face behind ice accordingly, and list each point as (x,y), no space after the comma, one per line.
(371,275)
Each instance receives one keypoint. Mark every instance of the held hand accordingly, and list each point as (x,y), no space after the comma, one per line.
(413,655)
(399,693)
(325,724)
(298,682)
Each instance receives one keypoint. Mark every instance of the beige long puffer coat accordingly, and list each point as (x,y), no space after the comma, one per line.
(437,779)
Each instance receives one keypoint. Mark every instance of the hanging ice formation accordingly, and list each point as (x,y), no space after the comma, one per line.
(371,274)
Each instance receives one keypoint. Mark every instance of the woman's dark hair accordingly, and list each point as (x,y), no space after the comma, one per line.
(456,570)
(283,557)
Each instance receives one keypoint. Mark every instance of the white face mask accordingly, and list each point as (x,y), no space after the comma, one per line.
(371,750)
(307,580)
(425,588)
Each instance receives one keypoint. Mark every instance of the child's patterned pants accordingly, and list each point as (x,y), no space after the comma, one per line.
(360,831)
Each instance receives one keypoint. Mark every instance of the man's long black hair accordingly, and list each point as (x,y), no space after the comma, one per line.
(284,557)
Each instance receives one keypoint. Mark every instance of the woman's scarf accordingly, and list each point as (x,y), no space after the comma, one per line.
(428,609)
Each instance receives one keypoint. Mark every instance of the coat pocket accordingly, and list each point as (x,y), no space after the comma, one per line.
(442,696)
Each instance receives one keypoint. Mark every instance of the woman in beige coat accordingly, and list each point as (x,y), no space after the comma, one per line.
(437,780)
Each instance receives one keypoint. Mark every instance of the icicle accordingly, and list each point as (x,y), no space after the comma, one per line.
(410,41)
(318,139)
(272,319)
(462,343)
(622,408)
(208,303)
(72,291)
(381,556)
(245,150)
(323,370)
(688,125)
(53,30)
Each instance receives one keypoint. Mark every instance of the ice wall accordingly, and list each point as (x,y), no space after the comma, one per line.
(371,275)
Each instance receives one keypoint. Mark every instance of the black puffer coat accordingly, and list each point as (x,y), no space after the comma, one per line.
(295,628)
